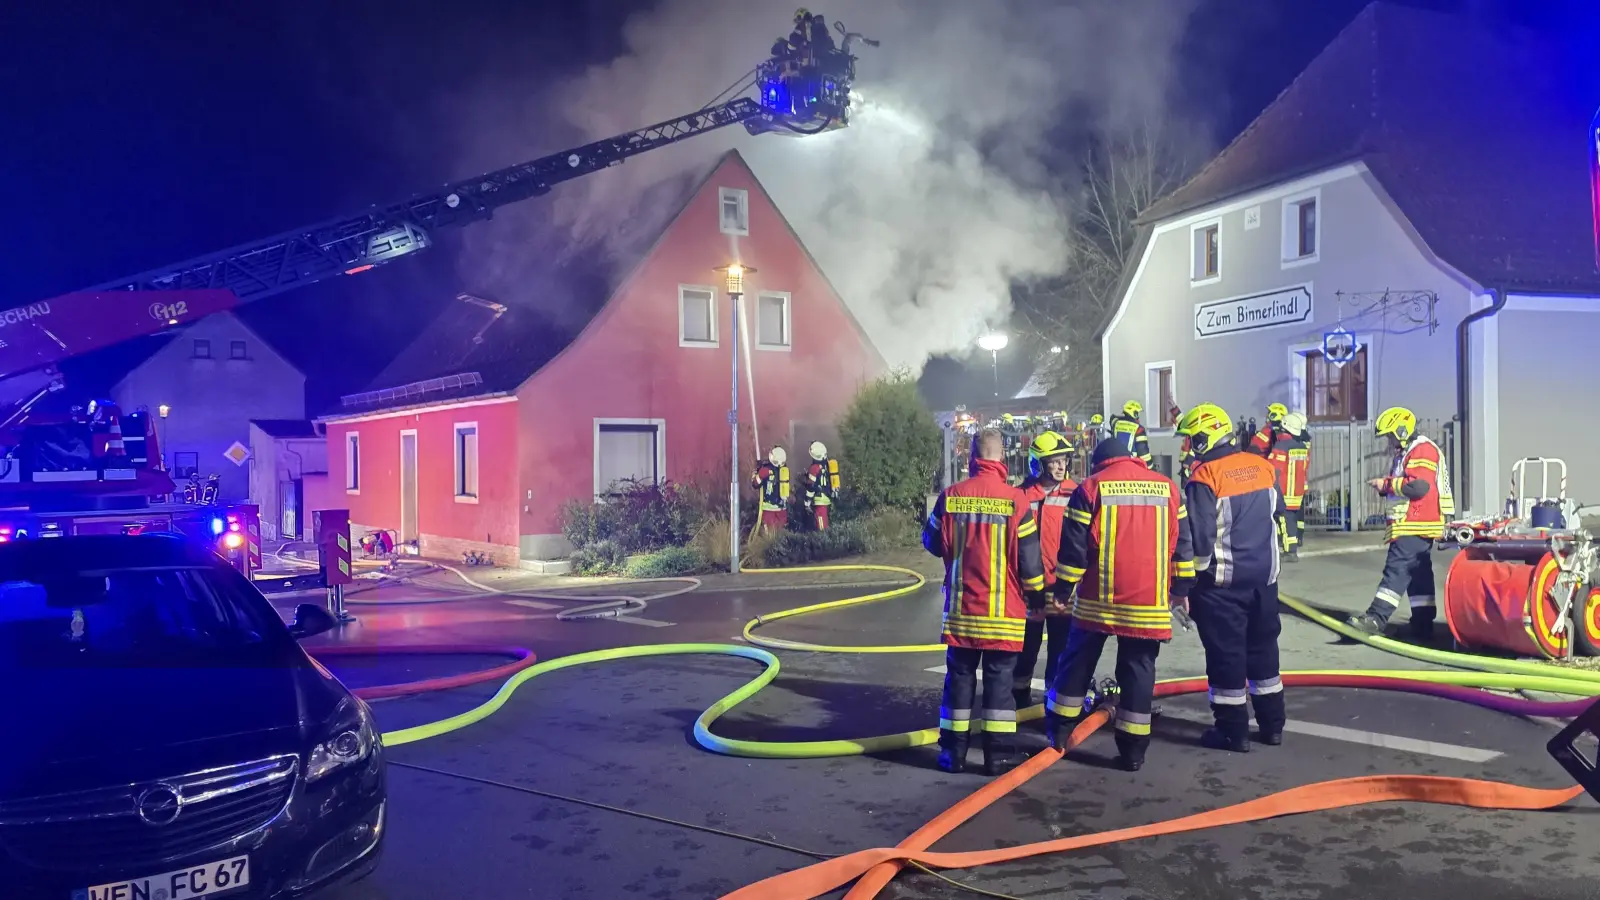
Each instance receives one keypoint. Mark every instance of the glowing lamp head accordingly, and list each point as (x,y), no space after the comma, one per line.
(163,410)
(233,540)
(735,273)
(993,343)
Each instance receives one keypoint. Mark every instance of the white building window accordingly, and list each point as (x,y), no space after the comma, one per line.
(202,349)
(733,206)
(1160,395)
(772,320)
(466,439)
(1205,253)
(628,450)
(697,316)
(352,462)
(1302,234)
(236,350)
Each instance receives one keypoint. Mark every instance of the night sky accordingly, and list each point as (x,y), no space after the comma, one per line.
(142,134)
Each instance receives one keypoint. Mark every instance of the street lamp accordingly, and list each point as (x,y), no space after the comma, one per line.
(1057,348)
(994,342)
(163,411)
(734,274)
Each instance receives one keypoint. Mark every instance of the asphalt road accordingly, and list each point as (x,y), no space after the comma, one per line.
(546,798)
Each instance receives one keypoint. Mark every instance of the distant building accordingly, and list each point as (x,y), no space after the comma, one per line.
(213,377)
(1419,195)
(288,470)
(474,438)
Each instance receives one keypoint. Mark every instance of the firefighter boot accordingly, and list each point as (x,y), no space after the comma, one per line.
(952,752)
(1270,718)
(999,755)
(1366,623)
(1422,630)
(1130,750)
(1023,696)
(1232,731)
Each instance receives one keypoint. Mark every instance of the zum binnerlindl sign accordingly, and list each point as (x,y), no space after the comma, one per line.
(1285,306)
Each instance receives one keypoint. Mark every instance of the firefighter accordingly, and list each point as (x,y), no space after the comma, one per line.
(1048,487)
(1262,441)
(985,532)
(1291,459)
(1418,484)
(821,39)
(799,38)
(1123,540)
(822,485)
(1125,427)
(771,481)
(1235,526)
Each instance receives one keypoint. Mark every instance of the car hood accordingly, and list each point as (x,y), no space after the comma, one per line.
(73,729)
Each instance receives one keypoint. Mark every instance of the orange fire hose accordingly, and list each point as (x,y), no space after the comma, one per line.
(876,868)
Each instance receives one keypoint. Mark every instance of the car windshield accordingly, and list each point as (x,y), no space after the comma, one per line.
(168,615)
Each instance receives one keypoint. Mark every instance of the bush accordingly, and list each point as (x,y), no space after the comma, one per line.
(892,445)
(666,563)
(598,558)
(641,517)
(883,530)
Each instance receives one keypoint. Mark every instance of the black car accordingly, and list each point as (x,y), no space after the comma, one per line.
(163,736)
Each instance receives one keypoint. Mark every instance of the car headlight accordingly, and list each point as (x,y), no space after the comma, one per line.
(351,738)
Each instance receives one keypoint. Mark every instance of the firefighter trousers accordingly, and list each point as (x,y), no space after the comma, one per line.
(997,717)
(1136,678)
(1056,627)
(1407,574)
(1239,629)
(1294,531)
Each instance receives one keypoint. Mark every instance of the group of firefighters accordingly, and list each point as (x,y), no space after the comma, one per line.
(1067,566)
(819,488)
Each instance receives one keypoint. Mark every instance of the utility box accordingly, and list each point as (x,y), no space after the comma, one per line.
(330,529)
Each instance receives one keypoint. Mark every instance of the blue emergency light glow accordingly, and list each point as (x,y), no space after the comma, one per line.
(216,526)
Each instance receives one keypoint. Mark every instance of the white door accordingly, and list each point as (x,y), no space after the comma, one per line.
(408,486)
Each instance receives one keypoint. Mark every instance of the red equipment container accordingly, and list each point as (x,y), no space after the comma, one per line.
(1500,598)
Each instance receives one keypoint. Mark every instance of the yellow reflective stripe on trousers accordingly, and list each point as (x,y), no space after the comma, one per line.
(1163,558)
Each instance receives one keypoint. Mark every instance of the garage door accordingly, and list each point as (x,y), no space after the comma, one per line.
(1544,411)
(626,452)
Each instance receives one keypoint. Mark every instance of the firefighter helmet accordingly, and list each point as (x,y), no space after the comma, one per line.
(1276,412)
(801,15)
(1097,420)
(1295,424)
(1048,445)
(1132,409)
(819,451)
(1397,421)
(777,457)
(1206,426)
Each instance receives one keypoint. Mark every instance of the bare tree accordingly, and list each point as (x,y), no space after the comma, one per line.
(1122,174)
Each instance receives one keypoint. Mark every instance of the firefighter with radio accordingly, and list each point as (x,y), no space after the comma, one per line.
(1048,487)
(1126,428)
(984,530)
(1262,442)
(1235,526)
(1291,459)
(771,481)
(1124,549)
(1418,486)
(822,485)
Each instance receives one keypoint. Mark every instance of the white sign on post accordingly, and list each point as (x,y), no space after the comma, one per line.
(1287,306)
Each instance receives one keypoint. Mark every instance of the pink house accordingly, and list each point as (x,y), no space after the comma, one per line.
(478,433)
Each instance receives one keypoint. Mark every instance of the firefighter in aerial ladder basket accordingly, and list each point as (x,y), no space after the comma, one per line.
(1262,442)
(1418,487)
(1048,487)
(822,485)
(1126,428)
(105,429)
(771,481)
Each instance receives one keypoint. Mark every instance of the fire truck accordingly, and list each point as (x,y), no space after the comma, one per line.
(101,471)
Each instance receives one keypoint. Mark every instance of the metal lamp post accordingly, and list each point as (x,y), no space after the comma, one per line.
(994,342)
(735,280)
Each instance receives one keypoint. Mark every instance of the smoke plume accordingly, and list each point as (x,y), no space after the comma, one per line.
(954,179)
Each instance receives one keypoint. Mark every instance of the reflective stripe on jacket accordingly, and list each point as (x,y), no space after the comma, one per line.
(1235,518)
(1424,516)
(1049,509)
(772,484)
(985,532)
(1290,458)
(1261,442)
(1132,435)
(1123,541)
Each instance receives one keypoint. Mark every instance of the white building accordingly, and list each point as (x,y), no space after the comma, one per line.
(1424,187)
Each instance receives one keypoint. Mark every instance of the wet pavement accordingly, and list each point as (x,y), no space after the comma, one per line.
(546,798)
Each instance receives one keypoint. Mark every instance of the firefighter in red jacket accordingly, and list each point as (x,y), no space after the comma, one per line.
(985,532)
(1262,442)
(1122,547)
(1048,487)
(1418,486)
(821,485)
(771,481)
(1235,527)
(1291,458)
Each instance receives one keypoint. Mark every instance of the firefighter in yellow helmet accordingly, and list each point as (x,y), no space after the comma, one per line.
(1235,526)
(1048,487)
(1262,441)
(1418,488)
(771,481)
(1125,427)
(821,485)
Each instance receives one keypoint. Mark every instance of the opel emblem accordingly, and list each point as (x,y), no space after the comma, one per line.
(158,804)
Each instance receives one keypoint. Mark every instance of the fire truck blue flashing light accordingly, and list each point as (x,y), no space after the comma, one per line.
(216,526)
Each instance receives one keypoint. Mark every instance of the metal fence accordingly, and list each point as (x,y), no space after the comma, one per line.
(1343,459)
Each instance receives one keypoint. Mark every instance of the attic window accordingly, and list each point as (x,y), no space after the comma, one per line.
(202,349)
(697,316)
(734,206)
(236,350)
(1205,253)
(1301,234)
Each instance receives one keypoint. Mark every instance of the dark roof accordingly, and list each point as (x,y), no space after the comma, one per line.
(287,428)
(1478,133)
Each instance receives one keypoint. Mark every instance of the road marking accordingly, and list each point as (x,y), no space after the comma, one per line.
(534,604)
(1340,551)
(635,620)
(1334,732)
